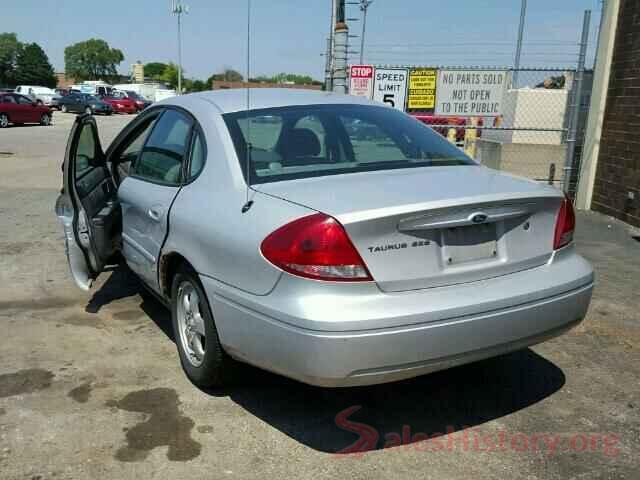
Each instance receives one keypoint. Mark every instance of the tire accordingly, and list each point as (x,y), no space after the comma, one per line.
(4,120)
(45,120)
(204,361)
(64,109)
(88,111)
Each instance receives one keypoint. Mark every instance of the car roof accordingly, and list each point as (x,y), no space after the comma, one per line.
(235,100)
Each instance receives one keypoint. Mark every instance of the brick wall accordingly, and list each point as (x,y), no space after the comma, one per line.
(618,172)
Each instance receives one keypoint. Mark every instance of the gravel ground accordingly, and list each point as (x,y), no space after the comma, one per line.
(90,384)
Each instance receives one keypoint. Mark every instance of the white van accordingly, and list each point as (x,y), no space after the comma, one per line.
(42,95)
(94,88)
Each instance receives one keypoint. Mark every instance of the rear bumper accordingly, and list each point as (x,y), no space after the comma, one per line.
(393,343)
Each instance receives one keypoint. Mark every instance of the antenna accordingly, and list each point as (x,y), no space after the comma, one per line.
(248,203)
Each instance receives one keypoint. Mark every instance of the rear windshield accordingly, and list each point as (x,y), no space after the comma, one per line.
(318,140)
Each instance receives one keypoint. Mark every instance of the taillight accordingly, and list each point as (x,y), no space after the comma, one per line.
(315,247)
(565,225)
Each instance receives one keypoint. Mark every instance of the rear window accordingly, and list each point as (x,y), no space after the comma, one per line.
(318,140)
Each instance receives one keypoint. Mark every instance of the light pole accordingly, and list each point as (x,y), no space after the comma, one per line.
(364,6)
(178,9)
(516,63)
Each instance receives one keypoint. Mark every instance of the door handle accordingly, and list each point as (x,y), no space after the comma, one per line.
(155,213)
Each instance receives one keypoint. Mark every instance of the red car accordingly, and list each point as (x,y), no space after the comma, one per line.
(121,104)
(458,123)
(18,109)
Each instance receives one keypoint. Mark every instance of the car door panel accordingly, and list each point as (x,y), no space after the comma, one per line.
(87,206)
(145,208)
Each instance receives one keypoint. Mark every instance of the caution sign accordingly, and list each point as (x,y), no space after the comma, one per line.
(361,80)
(390,87)
(470,93)
(422,89)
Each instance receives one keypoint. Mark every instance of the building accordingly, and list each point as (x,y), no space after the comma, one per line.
(137,72)
(63,81)
(610,172)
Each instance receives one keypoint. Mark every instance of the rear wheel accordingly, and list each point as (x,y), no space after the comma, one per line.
(88,110)
(4,120)
(64,109)
(45,119)
(201,354)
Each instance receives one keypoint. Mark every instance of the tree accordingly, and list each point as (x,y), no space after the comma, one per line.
(9,49)
(198,86)
(33,67)
(154,70)
(170,75)
(91,60)
(287,78)
(228,75)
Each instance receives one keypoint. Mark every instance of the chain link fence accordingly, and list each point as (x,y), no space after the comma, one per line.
(529,134)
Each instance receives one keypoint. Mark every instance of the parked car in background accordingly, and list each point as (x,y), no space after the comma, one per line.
(43,95)
(443,124)
(339,243)
(120,103)
(18,109)
(84,103)
(139,100)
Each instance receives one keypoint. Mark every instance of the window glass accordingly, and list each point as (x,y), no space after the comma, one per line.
(262,131)
(128,152)
(8,99)
(86,151)
(22,100)
(369,142)
(162,156)
(317,140)
(197,155)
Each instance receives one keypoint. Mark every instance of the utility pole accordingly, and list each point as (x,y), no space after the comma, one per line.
(340,46)
(179,9)
(330,48)
(572,134)
(364,6)
(516,63)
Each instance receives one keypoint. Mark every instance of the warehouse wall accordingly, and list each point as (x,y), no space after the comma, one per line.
(617,183)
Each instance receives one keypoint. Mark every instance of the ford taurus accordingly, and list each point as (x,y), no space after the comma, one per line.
(324,237)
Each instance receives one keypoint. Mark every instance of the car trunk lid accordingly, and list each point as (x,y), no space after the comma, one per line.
(435,226)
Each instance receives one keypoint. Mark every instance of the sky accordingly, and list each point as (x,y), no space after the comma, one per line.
(290,35)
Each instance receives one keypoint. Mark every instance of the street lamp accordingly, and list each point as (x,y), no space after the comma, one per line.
(364,6)
(178,9)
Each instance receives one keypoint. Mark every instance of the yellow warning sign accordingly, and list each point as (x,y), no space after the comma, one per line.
(422,89)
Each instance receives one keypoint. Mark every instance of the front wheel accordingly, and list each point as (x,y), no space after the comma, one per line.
(64,109)
(201,354)
(4,120)
(45,120)
(88,111)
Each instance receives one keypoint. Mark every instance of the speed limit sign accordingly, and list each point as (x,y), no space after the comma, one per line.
(390,87)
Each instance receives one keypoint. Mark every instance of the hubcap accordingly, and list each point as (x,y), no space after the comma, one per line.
(45,120)
(190,323)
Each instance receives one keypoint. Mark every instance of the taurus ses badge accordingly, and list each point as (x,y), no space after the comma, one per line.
(479,217)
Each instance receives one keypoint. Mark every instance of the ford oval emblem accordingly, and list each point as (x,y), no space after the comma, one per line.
(479,218)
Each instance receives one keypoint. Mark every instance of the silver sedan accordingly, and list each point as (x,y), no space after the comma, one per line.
(323,237)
